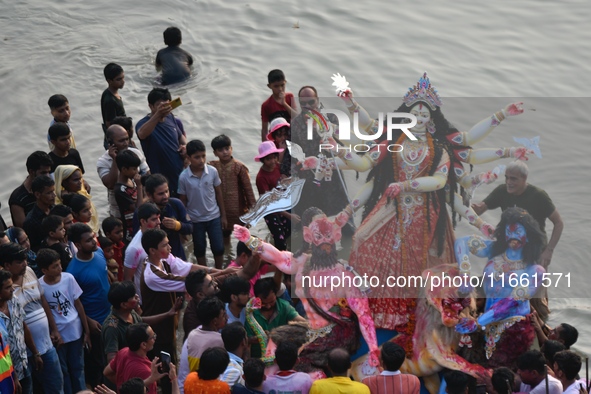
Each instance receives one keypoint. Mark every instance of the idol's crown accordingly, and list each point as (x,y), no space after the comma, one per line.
(423,92)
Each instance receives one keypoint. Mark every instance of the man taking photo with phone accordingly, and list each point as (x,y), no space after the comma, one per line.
(163,138)
(132,361)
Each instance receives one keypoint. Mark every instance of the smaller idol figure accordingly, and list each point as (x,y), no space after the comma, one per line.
(336,306)
(511,279)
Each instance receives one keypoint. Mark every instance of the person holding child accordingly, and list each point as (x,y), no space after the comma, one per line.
(63,294)
(236,186)
(201,192)
(106,166)
(129,191)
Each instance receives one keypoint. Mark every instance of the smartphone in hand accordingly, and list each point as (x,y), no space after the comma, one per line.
(165,359)
(176,103)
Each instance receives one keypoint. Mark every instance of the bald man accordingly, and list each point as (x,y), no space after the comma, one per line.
(339,362)
(118,140)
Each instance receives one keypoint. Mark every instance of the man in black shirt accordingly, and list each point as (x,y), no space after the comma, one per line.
(22,199)
(43,188)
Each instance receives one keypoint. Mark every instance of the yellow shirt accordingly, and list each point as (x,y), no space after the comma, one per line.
(338,385)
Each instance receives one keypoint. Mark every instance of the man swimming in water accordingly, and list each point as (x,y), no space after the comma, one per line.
(173,61)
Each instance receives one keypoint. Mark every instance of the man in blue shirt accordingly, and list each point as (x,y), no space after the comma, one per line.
(89,268)
(163,138)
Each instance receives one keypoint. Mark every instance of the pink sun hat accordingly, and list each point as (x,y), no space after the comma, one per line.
(265,149)
(276,124)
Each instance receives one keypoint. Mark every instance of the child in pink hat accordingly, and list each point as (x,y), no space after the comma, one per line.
(280,133)
(279,223)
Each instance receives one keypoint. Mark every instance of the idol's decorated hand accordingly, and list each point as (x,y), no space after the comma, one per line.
(393,190)
(521,153)
(347,96)
(342,218)
(241,233)
(374,358)
(342,87)
(310,163)
(487,230)
(466,325)
(513,109)
(490,176)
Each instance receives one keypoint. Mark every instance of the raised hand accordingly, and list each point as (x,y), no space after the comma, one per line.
(492,175)
(310,163)
(102,389)
(513,109)
(241,233)
(163,110)
(342,218)
(521,153)
(487,230)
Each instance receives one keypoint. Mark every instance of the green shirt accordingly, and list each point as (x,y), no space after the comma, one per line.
(283,314)
(114,330)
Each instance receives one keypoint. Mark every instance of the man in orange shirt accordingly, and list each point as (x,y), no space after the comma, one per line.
(391,380)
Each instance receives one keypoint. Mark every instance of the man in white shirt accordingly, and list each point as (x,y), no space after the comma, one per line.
(107,167)
(135,255)
(531,367)
(567,365)
(162,280)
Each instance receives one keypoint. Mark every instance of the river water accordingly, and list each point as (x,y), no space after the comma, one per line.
(479,55)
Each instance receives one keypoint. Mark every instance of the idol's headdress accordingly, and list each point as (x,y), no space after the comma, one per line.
(422,92)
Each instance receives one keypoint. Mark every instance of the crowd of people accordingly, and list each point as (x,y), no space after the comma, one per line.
(91,299)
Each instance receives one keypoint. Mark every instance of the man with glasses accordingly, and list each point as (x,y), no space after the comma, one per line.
(334,196)
(118,140)
(132,361)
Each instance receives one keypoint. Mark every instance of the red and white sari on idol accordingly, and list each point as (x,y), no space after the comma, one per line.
(398,238)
